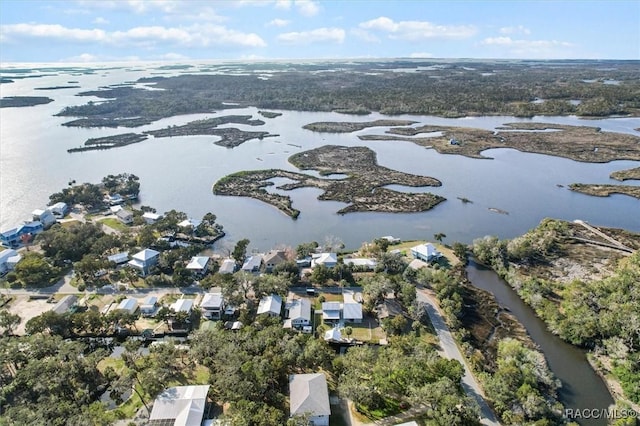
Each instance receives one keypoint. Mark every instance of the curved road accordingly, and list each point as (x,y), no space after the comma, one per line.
(450,349)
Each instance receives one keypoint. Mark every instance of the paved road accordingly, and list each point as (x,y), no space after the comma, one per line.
(450,349)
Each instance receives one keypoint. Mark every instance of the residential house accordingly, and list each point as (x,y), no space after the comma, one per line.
(299,313)
(199,265)
(128,305)
(149,306)
(151,218)
(44,216)
(65,304)
(228,266)
(115,209)
(24,233)
(391,239)
(114,199)
(59,209)
(309,395)
(351,310)
(331,311)
(144,260)
(180,406)
(425,252)
(333,335)
(252,264)
(212,305)
(361,263)
(125,216)
(327,259)
(10,238)
(182,305)
(8,260)
(273,259)
(189,223)
(119,258)
(270,305)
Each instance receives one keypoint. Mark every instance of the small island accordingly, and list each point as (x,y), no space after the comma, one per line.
(629,174)
(23,101)
(229,137)
(601,190)
(58,87)
(349,127)
(269,114)
(364,188)
(579,143)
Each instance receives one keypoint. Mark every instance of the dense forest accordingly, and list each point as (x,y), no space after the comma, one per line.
(450,89)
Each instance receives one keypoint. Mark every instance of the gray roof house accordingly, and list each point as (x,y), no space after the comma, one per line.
(252,264)
(149,305)
(180,406)
(119,258)
(65,304)
(125,216)
(129,305)
(270,305)
(228,266)
(144,260)
(309,395)
(212,305)
(331,311)
(199,264)
(300,312)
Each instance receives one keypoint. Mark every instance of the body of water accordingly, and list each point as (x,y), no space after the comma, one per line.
(178,173)
(582,388)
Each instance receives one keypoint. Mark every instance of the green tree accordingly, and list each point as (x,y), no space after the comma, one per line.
(439,236)
(8,322)
(34,271)
(240,250)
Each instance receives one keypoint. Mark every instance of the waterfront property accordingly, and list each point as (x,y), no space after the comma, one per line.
(9,258)
(44,216)
(273,259)
(252,264)
(151,218)
(327,259)
(22,234)
(125,216)
(270,305)
(189,224)
(228,266)
(426,252)
(144,260)
(199,265)
(59,209)
(361,263)
(309,395)
(180,406)
(212,305)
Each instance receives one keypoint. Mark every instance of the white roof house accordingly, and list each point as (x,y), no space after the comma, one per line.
(182,305)
(129,305)
(212,301)
(45,216)
(333,335)
(149,305)
(300,312)
(228,266)
(145,259)
(199,264)
(151,217)
(271,305)
(252,264)
(119,258)
(327,259)
(59,209)
(331,311)
(185,405)
(361,262)
(189,223)
(309,395)
(426,252)
(8,259)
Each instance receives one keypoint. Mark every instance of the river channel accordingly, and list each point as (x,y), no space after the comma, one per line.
(582,388)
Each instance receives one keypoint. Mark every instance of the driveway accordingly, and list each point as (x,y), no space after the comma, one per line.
(450,350)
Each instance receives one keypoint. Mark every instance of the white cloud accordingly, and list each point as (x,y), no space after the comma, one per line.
(319,35)
(421,55)
(307,7)
(278,23)
(283,4)
(171,56)
(417,30)
(530,48)
(520,29)
(364,35)
(87,57)
(100,21)
(196,35)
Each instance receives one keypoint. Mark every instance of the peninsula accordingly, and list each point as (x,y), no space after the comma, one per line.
(363,189)
(23,101)
(579,143)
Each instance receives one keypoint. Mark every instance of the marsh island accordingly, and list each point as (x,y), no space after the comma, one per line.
(363,188)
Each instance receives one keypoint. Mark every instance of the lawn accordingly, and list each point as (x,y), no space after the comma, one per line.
(115,224)
(368,330)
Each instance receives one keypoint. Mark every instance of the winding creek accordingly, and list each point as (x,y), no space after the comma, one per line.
(581,387)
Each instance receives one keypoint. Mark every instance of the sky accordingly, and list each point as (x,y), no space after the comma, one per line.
(177,30)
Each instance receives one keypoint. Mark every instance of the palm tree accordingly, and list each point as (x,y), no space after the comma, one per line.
(439,236)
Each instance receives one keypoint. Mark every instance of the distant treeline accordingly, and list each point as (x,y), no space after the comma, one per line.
(455,89)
